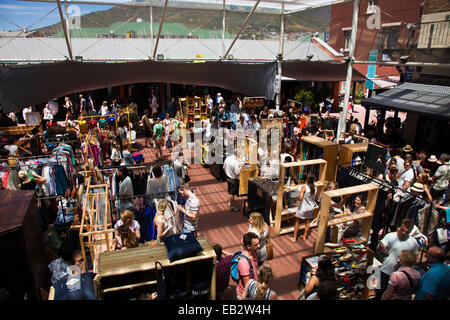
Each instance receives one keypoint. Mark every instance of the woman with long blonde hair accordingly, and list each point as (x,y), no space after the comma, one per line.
(259,289)
(165,220)
(260,228)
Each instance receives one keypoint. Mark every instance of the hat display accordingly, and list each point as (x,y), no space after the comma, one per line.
(433,158)
(417,187)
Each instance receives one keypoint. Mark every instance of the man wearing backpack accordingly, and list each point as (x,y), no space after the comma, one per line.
(248,262)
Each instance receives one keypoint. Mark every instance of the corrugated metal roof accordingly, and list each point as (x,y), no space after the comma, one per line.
(44,49)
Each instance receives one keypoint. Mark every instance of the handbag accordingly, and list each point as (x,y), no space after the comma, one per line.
(269,249)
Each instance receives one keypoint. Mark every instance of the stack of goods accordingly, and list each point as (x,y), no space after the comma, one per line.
(350,265)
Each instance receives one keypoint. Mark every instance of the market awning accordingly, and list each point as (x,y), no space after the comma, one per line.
(382,83)
(428,100)
(318,71)
(25,85)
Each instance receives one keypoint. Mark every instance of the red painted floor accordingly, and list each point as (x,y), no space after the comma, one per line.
(226,227)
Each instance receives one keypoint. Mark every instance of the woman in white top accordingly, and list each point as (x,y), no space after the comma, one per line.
(306,207)
(48,116)
(259,227)
(69,109)
(104,110)
(115,156)
(127,219)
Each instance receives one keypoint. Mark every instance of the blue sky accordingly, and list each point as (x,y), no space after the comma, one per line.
(15,14)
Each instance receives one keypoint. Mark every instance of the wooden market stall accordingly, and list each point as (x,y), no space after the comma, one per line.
(281,213)
(248,149)
(126,273)
(313,147)
(348,151)
(96,230)
(324,214)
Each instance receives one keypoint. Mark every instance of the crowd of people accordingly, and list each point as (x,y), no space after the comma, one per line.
(417,171)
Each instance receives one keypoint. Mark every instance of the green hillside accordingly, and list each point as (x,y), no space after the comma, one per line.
(181,22)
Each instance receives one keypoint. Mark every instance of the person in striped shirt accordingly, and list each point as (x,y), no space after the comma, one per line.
(190,210)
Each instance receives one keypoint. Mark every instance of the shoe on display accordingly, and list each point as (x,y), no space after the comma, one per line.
(332,245)
(345,273)
(346,257)
(358,246)
(340,250)
(359,265)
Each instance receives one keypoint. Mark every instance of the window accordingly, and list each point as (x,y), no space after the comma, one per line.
(388,38)
(347,39)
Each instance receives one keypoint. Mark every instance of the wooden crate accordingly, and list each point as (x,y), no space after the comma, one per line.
(330,150)
(324,214)
(119,271)
(281,213)
(346,152)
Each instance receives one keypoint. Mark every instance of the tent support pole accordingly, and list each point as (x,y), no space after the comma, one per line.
(242,28)
(63,23)
(348,81)
(151,25)
(223,28)
(280,59)
(160,28)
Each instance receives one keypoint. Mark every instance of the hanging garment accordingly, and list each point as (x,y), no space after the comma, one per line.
(13,180)
(150,212)
(62,184)
(5,179)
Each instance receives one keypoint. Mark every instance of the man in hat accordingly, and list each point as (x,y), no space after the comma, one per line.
(441,177)
(417,189)
(407,150)
(432,164)
(435,283)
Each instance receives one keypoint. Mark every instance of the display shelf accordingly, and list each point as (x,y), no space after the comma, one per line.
(96,232)
(324,214)
(124,270)
(328,151)
(346,152)
(249,148)
(281,214)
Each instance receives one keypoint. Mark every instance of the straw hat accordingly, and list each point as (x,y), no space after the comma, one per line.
(417,187)
(407,148)
(433,158)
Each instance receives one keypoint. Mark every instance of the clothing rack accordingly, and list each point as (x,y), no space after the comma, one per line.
(392,189)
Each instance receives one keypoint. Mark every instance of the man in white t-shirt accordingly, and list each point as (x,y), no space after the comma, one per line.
(406,178)
(25,111)
(209,102)
(232,171)
(241,127)
(392,245)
